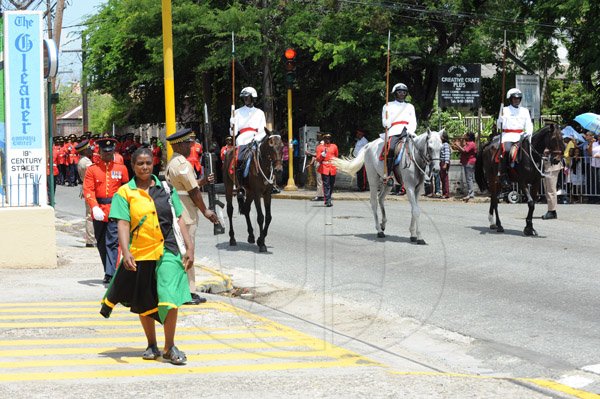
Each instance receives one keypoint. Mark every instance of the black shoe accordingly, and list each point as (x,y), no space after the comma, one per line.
(550,215)
(89,245)
(196,300)
(328,204)
(107,279)
(317,199)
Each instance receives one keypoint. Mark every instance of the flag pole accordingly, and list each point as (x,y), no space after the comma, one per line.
(387,90)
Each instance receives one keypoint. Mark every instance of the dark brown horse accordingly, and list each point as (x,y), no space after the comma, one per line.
(266,162)
(526,171)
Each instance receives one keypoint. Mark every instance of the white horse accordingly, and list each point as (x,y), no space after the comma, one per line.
(418,153)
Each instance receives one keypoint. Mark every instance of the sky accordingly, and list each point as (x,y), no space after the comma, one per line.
(75,14)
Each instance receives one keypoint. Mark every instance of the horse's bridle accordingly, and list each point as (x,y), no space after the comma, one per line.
(268,180)
(425,157)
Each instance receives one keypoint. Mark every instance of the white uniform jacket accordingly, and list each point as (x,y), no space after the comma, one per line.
(401,115)
(514,122)
(249,124)
(359,146)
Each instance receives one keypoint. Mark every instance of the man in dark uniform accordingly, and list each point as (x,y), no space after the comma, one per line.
(102,180)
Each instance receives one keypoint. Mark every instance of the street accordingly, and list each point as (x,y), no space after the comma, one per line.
(472,300)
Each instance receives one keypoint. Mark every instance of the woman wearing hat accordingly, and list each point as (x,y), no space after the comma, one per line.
(325,152)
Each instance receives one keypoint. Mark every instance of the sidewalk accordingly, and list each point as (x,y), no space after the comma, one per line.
(55,344)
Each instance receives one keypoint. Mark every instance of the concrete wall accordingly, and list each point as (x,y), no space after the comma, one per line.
(27,238)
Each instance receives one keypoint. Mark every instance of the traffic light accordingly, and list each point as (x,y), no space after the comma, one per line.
(290,67)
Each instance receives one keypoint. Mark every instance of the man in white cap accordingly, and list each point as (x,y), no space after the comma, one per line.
(247,125)
(515,124)
(397,117)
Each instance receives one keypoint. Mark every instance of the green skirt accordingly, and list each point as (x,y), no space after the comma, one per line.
(152,290)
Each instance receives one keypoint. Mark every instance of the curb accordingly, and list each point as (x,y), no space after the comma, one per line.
(216,283)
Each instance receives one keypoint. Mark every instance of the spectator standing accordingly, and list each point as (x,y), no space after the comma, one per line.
(576,173)
(85,161)
(325,152)
(151,280)
(180,173)
(361,175)
(468,154)
(101,182)
(445,165)
(593,150)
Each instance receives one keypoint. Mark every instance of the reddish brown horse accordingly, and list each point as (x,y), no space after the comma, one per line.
(526,171)
(266,162)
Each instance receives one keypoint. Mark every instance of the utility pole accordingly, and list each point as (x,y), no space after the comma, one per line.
(60,7)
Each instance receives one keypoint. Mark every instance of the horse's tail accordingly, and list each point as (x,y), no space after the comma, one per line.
(479,172)
(351,165)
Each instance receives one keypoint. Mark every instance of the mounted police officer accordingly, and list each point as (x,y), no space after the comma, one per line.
(400,119)
(248,127)
(515,125)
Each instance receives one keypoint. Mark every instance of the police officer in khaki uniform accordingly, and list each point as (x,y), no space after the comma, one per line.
(180,173)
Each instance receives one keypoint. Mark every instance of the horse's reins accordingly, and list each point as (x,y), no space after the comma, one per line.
(425,157)
(268,180)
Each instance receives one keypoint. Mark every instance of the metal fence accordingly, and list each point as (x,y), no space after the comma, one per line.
(22,192)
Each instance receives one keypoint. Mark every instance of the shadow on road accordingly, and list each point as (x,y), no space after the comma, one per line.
(241,246)
(91,283)
(510,232)
(373,237)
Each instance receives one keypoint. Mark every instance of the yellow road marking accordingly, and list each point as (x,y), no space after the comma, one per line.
(170,370)
(552,385)
(115,339)
(88,323)
(102,361)
(188,347)
(555,386)
(199,329)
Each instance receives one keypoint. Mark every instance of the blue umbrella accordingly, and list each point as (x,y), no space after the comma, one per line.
(573,134)
(589,121)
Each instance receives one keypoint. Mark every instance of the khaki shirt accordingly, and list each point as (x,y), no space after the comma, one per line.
(180,173)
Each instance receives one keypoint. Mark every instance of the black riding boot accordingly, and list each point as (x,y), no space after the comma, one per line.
(503,172)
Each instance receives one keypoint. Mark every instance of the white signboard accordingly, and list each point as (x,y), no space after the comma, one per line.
(530,87)
(25,128)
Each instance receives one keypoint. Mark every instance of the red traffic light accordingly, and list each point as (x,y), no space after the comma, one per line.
(290,53)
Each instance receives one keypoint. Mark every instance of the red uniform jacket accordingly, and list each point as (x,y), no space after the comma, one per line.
(156,155)
(102,181)
(224,149)
(194,157)
(326,167)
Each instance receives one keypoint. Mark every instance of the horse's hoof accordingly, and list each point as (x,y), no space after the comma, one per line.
(232,242)
(380,234)
(262,248)
(421,242)
(250,239)
(500,229)
(530,231)
(382,227)
(413,239)
(493,227)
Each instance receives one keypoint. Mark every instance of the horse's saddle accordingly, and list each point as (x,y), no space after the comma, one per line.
(397,152)
(514,155)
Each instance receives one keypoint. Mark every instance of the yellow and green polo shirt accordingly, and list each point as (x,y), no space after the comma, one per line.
(150,218)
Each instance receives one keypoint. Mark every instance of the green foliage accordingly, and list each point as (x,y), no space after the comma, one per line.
(69,98)
(341,62)
(103,111)
(570,99)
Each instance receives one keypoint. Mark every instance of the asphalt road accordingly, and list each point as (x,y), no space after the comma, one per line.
(524,306)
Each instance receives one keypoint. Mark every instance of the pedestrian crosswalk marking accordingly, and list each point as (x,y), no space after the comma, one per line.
(94,347)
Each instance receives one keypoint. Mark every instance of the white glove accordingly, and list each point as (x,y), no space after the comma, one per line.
(232,121)
(323,153)
(388,123)
(98,213)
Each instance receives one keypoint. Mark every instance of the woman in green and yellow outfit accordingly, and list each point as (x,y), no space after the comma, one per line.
(152,279)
